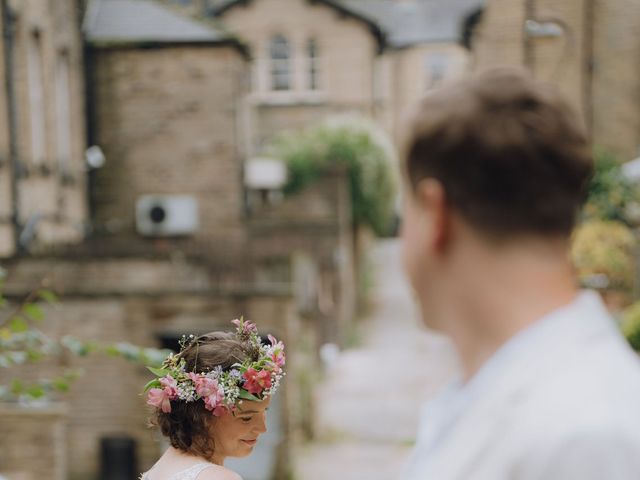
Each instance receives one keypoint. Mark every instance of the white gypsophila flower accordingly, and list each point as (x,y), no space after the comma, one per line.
(187,392)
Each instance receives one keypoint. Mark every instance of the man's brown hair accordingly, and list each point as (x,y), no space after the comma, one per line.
(512,156)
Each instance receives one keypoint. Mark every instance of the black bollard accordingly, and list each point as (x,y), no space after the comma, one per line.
(118,458)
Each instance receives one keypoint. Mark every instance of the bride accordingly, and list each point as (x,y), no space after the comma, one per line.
(211,400)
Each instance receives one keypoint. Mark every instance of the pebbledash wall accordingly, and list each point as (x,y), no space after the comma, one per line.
(139,301)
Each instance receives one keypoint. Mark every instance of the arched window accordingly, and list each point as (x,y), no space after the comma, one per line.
(313,65)
(280,63)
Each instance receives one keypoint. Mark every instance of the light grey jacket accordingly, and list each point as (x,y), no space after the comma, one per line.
(565,407)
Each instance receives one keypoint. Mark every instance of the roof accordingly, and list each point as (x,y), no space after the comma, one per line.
(133,21)
(410,22)
(219,7)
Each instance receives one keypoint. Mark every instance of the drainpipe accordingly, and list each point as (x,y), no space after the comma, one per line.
(8,28)
(587,93)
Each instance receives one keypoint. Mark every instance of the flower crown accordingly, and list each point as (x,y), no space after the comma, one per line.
(219,389)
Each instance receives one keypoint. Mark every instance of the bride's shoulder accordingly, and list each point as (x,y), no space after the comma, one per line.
(218,473)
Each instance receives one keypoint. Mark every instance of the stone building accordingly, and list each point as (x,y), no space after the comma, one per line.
(312,59)
(583,46)
(182,97)
(166,97)
(144,301)
(42,127)
(165,255)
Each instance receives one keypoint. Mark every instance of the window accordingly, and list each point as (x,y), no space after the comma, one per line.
(37,114)
(280,63)
(312,56)
(63,110)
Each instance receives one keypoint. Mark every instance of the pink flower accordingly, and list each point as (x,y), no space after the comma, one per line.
(256,382)
(245,327)
(161,397)
(208,389)
(277,352)
(170,386)
(278,358)
(220,410)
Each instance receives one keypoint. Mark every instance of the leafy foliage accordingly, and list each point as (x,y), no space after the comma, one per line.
(358,147)
(610,193)
(22,342)
(631,325)
(604,248)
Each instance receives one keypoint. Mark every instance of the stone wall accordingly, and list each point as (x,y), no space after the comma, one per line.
(167,119)
(33,442)
(45,68)
(616,78)
(413,73)
(499,38)
(314,227)
(588,59)
(345,75)
(141,302)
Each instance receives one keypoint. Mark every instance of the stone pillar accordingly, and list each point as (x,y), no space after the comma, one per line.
(33,442)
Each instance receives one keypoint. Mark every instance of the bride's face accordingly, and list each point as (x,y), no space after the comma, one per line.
(235,434)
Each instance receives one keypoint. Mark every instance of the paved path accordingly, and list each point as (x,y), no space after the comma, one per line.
(369,402)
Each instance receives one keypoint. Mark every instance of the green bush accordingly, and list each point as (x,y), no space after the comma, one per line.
(631,325)
(610,193)
(605,248)
(355,145)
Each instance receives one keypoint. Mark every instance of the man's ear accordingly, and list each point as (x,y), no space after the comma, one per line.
(432,199)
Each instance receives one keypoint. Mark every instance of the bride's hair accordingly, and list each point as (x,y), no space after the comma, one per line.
(188,424)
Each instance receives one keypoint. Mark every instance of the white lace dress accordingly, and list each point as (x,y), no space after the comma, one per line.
(190,473)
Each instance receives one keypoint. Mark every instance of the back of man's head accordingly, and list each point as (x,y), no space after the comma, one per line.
(511,155)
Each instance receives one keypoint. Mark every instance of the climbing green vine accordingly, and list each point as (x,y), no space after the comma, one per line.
(354,145)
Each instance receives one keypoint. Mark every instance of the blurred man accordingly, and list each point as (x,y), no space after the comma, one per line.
(497,169)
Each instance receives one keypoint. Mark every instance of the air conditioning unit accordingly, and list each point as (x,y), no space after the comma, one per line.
(166,215)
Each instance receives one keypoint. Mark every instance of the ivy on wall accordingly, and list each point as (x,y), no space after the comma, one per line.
(355,145)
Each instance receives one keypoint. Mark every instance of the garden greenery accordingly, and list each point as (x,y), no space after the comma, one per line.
(610,193)
(631,325)
(22,341)
(358,147)
(604,248)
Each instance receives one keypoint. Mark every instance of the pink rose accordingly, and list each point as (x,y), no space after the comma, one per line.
(256,382)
